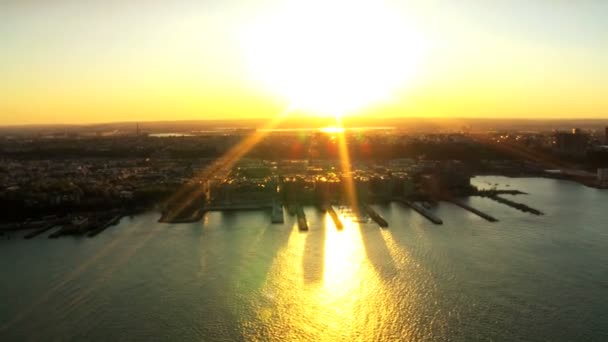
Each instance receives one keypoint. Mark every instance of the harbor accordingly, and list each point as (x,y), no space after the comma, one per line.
(243,255)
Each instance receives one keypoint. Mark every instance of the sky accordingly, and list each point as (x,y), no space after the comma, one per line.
(105,61)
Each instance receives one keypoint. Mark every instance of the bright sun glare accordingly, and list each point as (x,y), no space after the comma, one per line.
(331,58)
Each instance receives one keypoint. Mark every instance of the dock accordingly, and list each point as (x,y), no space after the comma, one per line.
(184,216)
(39,231)
(375,216)
(78,226)
(334,217)
(302,224)
(516,205)
(277,213)
(68,229)
(471,209)
(421,210)
(113,221)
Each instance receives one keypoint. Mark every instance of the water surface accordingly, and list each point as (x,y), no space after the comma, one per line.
(236,276)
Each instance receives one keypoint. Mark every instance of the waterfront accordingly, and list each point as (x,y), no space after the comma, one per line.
(236,276)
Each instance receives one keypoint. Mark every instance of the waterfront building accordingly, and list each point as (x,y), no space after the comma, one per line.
(602,176)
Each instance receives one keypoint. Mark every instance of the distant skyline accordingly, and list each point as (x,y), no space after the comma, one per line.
(108,61)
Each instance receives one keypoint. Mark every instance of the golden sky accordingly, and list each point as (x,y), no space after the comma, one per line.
(103,61)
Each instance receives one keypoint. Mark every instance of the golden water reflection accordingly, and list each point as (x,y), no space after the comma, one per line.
(352,300)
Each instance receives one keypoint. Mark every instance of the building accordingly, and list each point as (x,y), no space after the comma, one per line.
(602,176)
(571,143)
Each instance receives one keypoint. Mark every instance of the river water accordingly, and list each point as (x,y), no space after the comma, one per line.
(236,276)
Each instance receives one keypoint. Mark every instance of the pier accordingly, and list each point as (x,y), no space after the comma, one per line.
(516,205)
(113,221)
(39,231)
(302,224)
(375,216)
(334,216)
(277,213)
(421,210)
(183,216)
(471,209)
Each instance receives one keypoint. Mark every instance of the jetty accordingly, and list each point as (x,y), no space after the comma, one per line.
(302,224)
(78,226)
(421,210)
(39,231)
(375,216)
(471,209)
(516,205)
(334,217)
(184,216)
(113,221)
(277,213)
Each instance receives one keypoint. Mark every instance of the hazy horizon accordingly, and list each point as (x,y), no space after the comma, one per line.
(66,62)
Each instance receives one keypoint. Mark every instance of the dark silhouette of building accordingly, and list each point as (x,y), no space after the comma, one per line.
(571,143)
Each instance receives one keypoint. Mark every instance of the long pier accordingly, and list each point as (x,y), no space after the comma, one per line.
(302,224)
(113,221)
(67,229)
(39,231)
(277,213)
(192,216)
(516,205)
(421,210)
(375,216)
(334,216)
(471,209)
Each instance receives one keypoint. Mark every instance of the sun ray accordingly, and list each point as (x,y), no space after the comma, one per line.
(345,166)
(221,167)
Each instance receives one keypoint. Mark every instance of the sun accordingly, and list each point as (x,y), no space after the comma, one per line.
(332,58)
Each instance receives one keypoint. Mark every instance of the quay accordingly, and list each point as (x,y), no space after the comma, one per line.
(375,216)
(334,217)
(302,224)
(516,205)
(421,210)
(113,221)
(471,209)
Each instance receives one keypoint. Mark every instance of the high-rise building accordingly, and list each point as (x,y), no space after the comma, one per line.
(574,143)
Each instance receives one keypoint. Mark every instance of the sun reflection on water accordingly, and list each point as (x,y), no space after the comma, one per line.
(347,302)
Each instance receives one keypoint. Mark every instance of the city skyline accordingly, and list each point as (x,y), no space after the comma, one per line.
(95,61)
